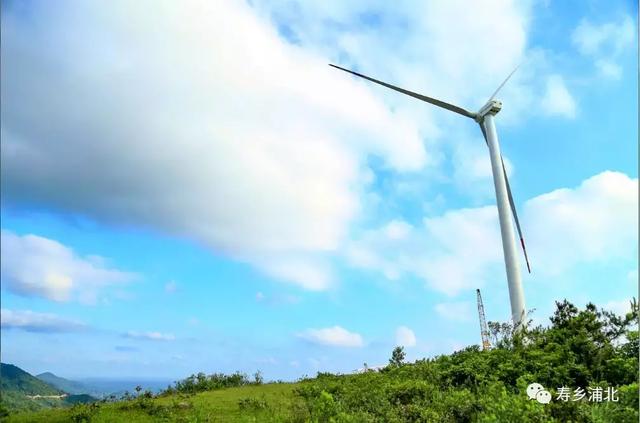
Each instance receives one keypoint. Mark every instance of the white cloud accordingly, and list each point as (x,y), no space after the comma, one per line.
(465,246)
(397,230)
(435,250)
(605,43)
(405,337)
(593,39)
(472,172)
(309,272)
(195,119)
(609,69)
(31,265)
(461,311)
(621,307)
(225,133)
(150,336)
(454,65)
(595,222)
(31,321)
(557,100)
(335,336)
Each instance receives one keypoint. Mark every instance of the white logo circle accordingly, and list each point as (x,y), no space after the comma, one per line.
(543,397)
(533,389)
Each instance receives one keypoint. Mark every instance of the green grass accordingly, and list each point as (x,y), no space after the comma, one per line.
(266,403)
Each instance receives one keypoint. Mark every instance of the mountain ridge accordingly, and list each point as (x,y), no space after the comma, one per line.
(21,391)
(69,386)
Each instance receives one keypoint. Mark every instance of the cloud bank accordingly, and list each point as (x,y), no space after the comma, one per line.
(202,121)
(35,266)
(594,222)
(31,321)
(605,43)
(193,119)
(335,336)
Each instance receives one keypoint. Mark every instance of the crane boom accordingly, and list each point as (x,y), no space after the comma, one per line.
(484,331)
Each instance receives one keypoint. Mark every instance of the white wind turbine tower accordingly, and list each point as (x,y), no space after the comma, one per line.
(484,117)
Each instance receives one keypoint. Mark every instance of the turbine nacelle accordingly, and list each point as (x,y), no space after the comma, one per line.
(491,108)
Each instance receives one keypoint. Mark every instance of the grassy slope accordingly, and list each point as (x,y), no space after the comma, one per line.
(214,406)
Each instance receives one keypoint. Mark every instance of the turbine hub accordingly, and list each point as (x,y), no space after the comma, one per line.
(491,108)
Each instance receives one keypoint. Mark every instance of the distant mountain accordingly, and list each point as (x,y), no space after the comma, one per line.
(66,385)
(14,379)
(20,390)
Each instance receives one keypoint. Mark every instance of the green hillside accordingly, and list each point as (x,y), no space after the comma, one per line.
(20,391)
(16,384)
(587,348)
(14,379)
(66,385)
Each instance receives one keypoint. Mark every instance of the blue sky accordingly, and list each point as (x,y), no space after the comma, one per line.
(187,186)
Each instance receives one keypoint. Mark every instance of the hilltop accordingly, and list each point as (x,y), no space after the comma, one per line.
(65,385)
(16,385)
(21,391)
(580,349)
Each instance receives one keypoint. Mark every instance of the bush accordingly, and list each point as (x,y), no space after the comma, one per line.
(252,404)
(201,382)
(581,348)
(83,413)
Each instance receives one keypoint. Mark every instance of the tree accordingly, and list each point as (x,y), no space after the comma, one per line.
(397,356)
(258,379)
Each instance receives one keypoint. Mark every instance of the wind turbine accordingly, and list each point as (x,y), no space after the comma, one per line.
(506,207)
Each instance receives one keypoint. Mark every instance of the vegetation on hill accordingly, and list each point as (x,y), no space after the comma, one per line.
(13,378)
(584,349)
(20,391)
(16,385)
(66,385)
(581,349)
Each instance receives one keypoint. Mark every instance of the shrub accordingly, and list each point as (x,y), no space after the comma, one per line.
(252,404)
(201,382)
(581,348)
(83,413)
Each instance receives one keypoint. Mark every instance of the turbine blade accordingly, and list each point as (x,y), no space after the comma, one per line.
(484,133)
(503,82)
(511,202)
(430,100)
(515,216)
